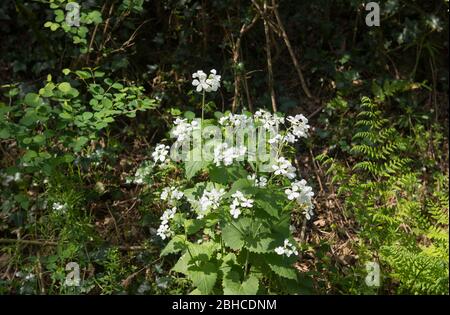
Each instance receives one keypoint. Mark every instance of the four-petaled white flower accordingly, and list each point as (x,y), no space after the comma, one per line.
(303,194)
(284,167)
(259,182)
(59,207)
(226,155)
(209,200)
(160,153)
(164,230)
(287,249)
(183,128)
(267,120)
(171,195)
(204,82)
(299,124)
(239,201)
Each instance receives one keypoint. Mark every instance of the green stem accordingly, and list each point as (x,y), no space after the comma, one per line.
(203,107)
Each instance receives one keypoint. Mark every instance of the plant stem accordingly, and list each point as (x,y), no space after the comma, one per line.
(203,107)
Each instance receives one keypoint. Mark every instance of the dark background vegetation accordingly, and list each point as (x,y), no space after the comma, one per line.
(402,65)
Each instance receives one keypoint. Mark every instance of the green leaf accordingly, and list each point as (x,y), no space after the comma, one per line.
(224,175)
(192,226)
(65,115)
(4,133)
(204,276)
(192,166)
(281,265)
(64,87)
(79,143)
(29,118)
(232,284)
(182,264)
(176,244)
(87,115)
(232,233)
(189,115)
(66,71)
(32,99)
(39,139)
(250,231)
(261,245)
(83,74)
(29,155)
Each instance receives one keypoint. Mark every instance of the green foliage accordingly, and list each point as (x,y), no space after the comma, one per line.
(400,221)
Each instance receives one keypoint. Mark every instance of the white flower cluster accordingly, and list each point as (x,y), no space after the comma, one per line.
(209,200)
(59,207)
(226,155)
(171,195)
(236,120)
(164,228)
(303,194)
(160,153)
(287,249)
(239,201)
(183,128)
(141,173)
(7,179)
(284,167)
(259,182)
(299,126)
(267,120)
(204,82)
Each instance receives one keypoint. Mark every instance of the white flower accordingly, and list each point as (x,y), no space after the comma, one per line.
(309,212)
(235,211)
(301,191)
(289,137)
(275,139)
(183,128)
(10,178)
(209,200)
(267,120)
(141,173)
(259,182)
(59,207)
(164,228)
(209,83)
(239,201)
(160,153)
(226,155)
(236,120)
(292,193)
(171,194)
(168,214)
(164,231)
(287,249)
(299,125)
(284,167)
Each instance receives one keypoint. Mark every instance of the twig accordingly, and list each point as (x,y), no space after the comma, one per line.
(269,60)
(291,51)
(236,57)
